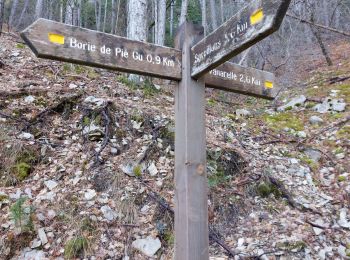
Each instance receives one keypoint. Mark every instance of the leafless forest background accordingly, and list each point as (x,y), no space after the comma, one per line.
(309,30)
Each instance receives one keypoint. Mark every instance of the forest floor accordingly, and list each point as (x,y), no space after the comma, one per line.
(87,164)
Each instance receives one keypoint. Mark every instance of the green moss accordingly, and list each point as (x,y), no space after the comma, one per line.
(310,105)
(344,132)
(22,215)
(265,189)
(148,88)
(86,121)
(137,170)
(40,101)
(283,120)
(20,46)
(3,197)
(75,247)
(344,91)
(129,83)
(22,170)
(341,178)
(169,238)
(292,246)
(339,150)
(311,163)
(217,178)
(211,102)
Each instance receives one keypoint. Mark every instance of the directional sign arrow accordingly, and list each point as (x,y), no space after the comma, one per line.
(250,25)
(247,81)
(57,41)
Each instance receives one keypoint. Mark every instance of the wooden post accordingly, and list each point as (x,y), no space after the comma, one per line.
(191,188)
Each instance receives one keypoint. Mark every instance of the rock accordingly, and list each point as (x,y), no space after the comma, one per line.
(314,155)
(90,194)
(301,134)
(94,132)
(152,169)
(29,99)
(35,243)
(344,252)
(318,231)
(26,136)
(149,246)
(243,113)
(343,222)
(95,101)
(340,156)
(330,105)
(50,184)
(297,101)
(72,86)
(115,151)
(42,236)
(108,213)
(32,255)
(315,120)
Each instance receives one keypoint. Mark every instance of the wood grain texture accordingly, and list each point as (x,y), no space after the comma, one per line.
(44,37)
(191,187)
(247,81)
(253,23)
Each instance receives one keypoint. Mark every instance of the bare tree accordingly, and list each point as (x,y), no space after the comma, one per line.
(13,12)
(214,19)
(183,15)
(160,22)
(105,16)
(69,12)
(204,15)
(98,10)
(38,8)
(24,9)
(137,24)
(2,8)
(171,17)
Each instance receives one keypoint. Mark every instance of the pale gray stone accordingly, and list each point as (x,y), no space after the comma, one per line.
(315,120)
(42,236)
(148,246)
(50,184)
(297,101)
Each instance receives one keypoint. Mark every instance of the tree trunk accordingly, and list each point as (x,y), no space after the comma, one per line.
(2,8)
(214,19)
(171,18)
(105,16)
(13,12)
(323,47)
(183,15)
(98,10)
(114,17)
(22,13)
(38,8)
(137,24)
(222,11)
(204,16)
(69,13)
(61,12)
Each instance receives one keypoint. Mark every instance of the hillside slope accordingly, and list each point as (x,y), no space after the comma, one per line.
(87,163)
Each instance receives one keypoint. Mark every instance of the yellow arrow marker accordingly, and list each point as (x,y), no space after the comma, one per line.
(257,16)
(268,84)
(56,38)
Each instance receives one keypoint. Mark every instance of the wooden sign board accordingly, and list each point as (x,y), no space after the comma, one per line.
(246,81)
(57,41)
(250,25)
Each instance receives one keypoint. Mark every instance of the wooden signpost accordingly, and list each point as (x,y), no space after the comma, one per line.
(234,78)
(253,23)
(57,41)
(194,57)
